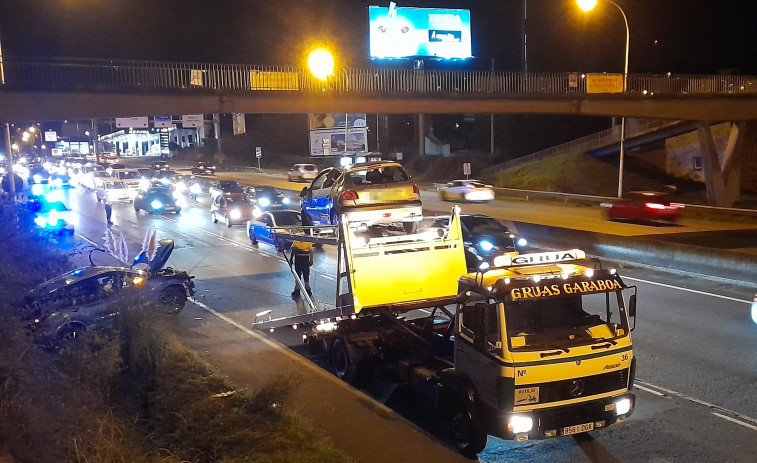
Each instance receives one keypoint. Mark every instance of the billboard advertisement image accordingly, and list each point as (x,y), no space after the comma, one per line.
(331,120)
(334,142)
(422,32)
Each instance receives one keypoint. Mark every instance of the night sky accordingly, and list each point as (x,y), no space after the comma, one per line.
(680,36)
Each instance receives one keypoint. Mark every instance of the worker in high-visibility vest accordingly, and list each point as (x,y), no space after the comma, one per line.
(302,255)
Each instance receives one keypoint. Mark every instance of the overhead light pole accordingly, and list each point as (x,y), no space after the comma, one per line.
(588,5)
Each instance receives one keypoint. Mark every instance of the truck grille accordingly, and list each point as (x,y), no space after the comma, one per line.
(574,388)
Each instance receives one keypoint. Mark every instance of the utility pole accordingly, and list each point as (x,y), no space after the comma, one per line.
(9,162)
(524,35)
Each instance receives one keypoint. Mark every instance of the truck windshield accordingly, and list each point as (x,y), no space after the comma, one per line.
(540,323)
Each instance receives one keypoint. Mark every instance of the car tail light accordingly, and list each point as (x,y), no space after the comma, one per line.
(654,206)
(416,190)
(349,196)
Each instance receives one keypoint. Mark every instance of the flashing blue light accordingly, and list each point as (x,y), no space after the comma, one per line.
(486,246)
(77,272)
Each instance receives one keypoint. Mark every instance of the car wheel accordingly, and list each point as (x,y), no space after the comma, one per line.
(69,333)
(228,221)
(213,217)
(136,208)
(172,299)
(177,210)
(467,434)
(344,367)
(253,238)
(410,227)
(289,178)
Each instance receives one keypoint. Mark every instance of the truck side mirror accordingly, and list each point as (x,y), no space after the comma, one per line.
(632,306)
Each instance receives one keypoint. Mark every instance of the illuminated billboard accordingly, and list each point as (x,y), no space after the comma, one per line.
(423,32)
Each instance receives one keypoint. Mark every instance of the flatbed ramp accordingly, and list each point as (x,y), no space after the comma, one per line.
(379,271)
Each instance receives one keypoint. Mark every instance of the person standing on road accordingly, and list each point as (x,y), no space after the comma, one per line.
(302,255)
(108,210)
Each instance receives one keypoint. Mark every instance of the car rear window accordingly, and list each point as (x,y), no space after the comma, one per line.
(372,176)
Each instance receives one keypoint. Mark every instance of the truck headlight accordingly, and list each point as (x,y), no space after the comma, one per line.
(623,406)
(518,424)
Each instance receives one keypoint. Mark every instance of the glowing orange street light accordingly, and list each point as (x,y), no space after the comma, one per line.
(321,63)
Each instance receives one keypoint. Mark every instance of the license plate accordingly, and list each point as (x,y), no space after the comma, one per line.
(390,195)
(568,430)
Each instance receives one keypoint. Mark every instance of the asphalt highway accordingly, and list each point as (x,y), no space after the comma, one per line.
(695,339)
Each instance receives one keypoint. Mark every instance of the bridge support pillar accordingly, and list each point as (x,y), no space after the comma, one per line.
(421,134)
(713,175)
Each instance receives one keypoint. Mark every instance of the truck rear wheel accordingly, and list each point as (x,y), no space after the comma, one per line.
(344,368)
(466,432)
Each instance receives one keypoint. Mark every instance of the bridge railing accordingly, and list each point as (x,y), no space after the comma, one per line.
(102,74)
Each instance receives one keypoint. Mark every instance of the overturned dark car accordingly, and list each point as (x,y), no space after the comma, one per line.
(89,298)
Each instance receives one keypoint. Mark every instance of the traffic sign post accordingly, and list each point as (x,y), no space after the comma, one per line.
(258,154)
(466,169)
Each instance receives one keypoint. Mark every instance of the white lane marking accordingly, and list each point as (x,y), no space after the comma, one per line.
(748,421)
(291,355)
(733,420)
(695,291)
(651,391)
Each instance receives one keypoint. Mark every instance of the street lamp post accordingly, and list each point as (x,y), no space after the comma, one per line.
(588,5)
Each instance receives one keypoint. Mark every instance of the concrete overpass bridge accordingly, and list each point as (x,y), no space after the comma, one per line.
(54,89)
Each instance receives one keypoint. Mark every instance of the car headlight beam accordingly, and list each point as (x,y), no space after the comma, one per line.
(264,202)
(623,406)
(235,214)
(486,246)
(155,204)
(519,424)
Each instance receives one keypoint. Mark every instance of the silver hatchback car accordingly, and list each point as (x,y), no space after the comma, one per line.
(371,193)
(302,172)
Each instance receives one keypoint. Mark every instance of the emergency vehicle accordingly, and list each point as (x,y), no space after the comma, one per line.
(537,346)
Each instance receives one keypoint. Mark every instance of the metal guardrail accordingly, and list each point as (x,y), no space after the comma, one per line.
(100,74)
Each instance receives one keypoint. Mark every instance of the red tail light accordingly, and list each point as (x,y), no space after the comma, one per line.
(416,190)
(654,206)
(348,196)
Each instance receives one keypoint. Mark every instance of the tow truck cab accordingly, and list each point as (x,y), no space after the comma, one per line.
(544,342)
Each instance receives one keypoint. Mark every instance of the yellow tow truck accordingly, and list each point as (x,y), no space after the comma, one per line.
(537,346)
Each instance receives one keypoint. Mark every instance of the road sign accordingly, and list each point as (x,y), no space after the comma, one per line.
(399,155)
(51,135)
(258,152)
(466,168)
(604,83)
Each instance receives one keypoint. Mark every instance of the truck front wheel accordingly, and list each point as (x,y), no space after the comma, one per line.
(467,434)
(344,368)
